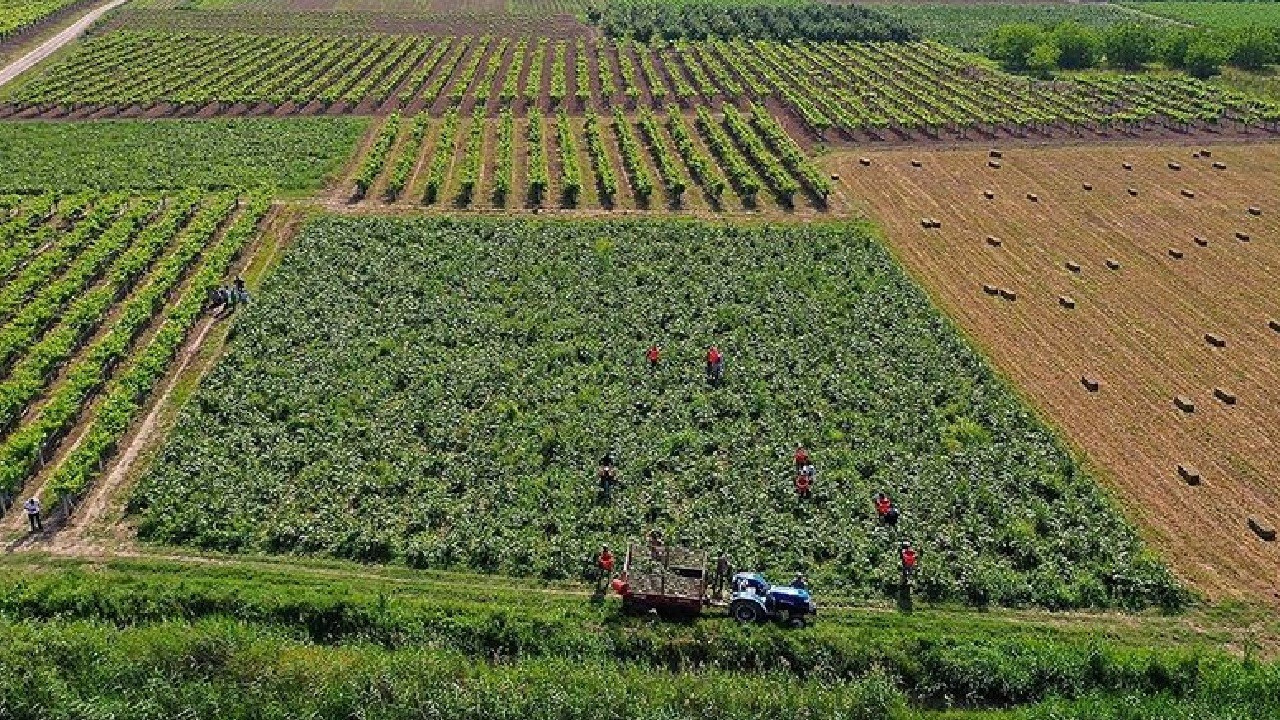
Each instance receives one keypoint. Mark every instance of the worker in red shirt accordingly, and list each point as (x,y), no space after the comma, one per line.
(804,483)
(801,456)
(715,364)
(909,560)
(886,510)
(605,565)
(654,356)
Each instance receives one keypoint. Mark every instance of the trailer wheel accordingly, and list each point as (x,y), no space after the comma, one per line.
(745,611)
(635,608)
(797,621)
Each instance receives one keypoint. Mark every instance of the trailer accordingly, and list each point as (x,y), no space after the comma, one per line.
(671,581)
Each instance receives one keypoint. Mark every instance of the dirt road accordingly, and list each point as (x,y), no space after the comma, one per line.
(53,44)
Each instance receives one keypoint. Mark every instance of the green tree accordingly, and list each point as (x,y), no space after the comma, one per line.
(1172,47)
(1077,45)
(1204,57)
(1252,48)
(1044,58)
(1128,45)
(1012,44)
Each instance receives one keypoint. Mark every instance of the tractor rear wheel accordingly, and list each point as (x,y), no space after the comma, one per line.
(745,611)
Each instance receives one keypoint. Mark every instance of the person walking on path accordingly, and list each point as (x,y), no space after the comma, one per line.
(32,506)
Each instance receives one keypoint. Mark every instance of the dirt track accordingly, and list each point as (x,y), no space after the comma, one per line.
(1139,330)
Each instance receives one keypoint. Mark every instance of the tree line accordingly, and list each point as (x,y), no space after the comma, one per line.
(1040,50)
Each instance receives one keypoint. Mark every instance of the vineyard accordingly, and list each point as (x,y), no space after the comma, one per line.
(17,16)
(450,410)
(869,92)
(640,161)
(99,293)
(291,155)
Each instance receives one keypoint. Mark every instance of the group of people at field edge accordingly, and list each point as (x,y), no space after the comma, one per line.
(225,299)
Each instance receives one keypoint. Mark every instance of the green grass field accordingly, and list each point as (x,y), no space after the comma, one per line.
(293,154)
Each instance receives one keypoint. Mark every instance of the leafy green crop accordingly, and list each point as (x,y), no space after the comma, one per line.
(440,391)
(292,154)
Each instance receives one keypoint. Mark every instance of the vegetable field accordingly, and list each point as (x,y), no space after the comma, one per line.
(966,25)
(833,91)
(1222,15)
(98,293)
(296,154)
(646,160)
(439,392)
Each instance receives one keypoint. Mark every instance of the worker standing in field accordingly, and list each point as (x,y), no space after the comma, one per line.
(604,564)
(655,544)
(800,583)
(801,457)
(722,575)
(804,483)
(607,475)
(240,291)
(715,365)
(886,510)
(32,506)
(654,356)
(910,558)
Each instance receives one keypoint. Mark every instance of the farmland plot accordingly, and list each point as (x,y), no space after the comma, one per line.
(1146,319)
(836,92)
(439,392)
(643,161)
(98,293)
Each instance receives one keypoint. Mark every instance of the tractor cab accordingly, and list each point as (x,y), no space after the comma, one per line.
(754,599)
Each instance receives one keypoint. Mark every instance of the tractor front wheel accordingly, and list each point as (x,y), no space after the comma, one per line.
(745,611)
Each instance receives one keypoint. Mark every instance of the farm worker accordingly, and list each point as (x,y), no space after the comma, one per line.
(715,364)
(241,293)
(909,559)
(801,456)
(804,482)
(605,564)
(32,506)
(608,476)
(799,582)
(887,511)
(722,574)
(655,544)
(653,355)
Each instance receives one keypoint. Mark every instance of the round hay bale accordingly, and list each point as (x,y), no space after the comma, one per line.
(993,241)
(1175,253)
(1113,264)
(916,163)
(1091,383)
(1219,166)
(1133,192)
(994,153)
(1127,166)
(1175,166)
(1184,403)
(864,161)
(1202,242)
(1067,302)
(1242,236)
(1255,210)
(1073,266)
(988,194)
(993,164)
(1188,193)
(1033,197)
(1088,186)
(990,289)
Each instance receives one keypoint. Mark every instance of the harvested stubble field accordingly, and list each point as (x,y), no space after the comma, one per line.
(1140,330)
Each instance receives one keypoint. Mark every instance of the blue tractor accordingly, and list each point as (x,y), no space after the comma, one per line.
(755,600)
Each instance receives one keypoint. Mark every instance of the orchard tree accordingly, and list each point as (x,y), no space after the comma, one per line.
(1012,44)
(1204,57)
(1252,48)
(1077,45)
(1172,47)
(1128,45)
(1043,59)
